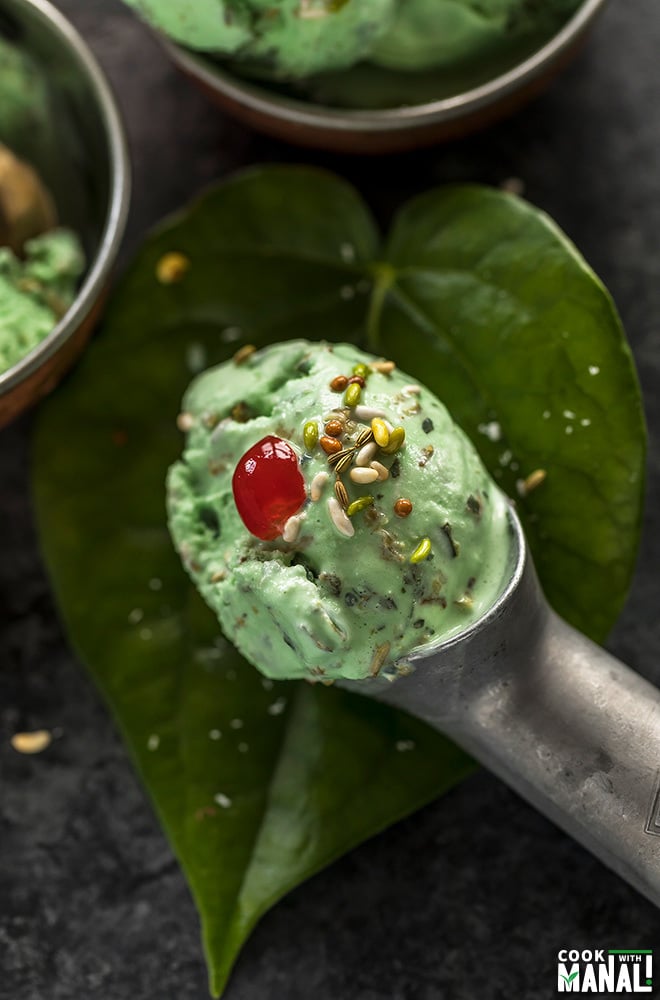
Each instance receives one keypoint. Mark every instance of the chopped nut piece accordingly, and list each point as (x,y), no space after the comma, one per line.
(172,267)
(243,353)
(34,742)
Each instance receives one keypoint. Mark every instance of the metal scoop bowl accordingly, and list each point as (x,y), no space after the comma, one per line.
(570,728)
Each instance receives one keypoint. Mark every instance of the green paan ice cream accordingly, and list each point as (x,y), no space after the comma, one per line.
(297,38)
(36,291)
(429,34)
(290,38)
(370,548)
(39,264)
(24,97)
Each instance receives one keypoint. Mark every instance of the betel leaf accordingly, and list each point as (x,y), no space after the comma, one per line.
(478,295)
(506,323)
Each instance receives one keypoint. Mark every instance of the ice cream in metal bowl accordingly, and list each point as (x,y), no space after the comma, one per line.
(367,109)
(57,114)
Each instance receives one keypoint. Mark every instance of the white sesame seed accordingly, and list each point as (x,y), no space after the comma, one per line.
(277,707)
(135,616)
(145,634)
(292,528)
(363,476)
(347,292)
(236,723)
(405,745)
(568,429)
(231,334)
(569,414)
(215,734)
(593,369)
(317,485)
(153,742)
(585,422)
(267,684)
(412,390)
(339,518)
(546,414)
(155,583)
(383,473)
(365,414)
(365,454)
(222,800)
(185,422)
(347,251)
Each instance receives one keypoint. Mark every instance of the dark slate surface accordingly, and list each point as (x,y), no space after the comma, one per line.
(471,897)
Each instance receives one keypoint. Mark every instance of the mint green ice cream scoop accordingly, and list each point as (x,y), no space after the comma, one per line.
(291,38)
(332,535)
(36,290)
(295,39)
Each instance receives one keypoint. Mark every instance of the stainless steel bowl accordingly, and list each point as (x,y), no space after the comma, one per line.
(392,129)
(89,176)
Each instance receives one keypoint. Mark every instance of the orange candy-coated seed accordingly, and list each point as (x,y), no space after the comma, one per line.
(339,383)
(334,428)
(330,445)
(403,507)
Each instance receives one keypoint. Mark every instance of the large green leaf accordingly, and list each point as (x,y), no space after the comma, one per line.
(477,294)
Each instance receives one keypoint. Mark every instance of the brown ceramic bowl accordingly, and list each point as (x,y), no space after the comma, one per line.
(89,177)
(390,129)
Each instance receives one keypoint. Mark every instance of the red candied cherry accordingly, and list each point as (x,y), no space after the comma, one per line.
(268,487)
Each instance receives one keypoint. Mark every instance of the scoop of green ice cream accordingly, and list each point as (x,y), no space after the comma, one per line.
(428,34)
(292,38)
(36,291)
(24,97)
(339,594)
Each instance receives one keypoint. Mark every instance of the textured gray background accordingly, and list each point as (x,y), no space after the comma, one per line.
(473,896)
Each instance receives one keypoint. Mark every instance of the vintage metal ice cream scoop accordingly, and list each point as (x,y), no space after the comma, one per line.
(564,723)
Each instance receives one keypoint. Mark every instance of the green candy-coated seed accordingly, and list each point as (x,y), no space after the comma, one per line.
(362,370)
(360,504)
(352,396)
(422,552)
(310,434)
(397,437)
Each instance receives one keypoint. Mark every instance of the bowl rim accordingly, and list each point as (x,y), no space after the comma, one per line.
(309,114)
(116,217)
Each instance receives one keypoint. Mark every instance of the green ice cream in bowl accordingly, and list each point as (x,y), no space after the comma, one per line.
(64,192)
(370,75)
(331,513)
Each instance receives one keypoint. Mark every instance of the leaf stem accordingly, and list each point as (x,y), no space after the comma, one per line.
(384,277)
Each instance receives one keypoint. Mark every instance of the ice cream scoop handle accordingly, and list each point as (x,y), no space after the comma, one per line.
(577,734)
